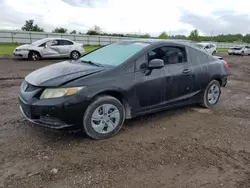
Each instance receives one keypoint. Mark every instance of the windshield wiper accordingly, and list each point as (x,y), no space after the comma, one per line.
(91,63)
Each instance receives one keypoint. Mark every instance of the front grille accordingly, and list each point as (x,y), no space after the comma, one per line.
(31,87)
(28,87)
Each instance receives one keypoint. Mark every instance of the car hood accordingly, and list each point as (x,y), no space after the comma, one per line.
(60,73)
(25,46)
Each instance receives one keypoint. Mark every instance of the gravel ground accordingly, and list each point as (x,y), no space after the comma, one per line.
(185,147)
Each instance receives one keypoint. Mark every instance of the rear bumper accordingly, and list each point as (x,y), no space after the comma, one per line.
(225,78)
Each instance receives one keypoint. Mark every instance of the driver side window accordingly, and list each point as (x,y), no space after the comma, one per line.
(169,54)
(54,43)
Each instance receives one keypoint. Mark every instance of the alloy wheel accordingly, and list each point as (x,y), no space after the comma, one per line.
(75,55)
(34,56)
(213,94)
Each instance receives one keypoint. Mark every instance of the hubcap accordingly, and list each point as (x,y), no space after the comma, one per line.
(105,118)
(213,94)
(75,55)
(34,56)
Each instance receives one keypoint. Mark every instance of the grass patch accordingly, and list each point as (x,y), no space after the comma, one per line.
(222,49)
(90,48)
(7,49)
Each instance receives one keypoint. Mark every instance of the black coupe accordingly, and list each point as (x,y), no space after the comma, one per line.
(120,81)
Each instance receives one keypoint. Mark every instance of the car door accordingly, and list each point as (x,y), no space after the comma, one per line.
(207,49)
(65,47)
(178,75)
(50,49)
(247,49)
(166,86)
(149,89)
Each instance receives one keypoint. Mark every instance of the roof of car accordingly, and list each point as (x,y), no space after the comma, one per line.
(205,43)
(51,38)
(156,41)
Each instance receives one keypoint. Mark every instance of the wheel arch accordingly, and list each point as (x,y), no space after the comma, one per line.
(118,95)
(34,51)
(217,78)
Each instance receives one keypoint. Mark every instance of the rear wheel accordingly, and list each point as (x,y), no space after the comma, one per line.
(229,54)
(214,52)
(103,118)
(242,53)
(211,94)
(34,56)
(75,55)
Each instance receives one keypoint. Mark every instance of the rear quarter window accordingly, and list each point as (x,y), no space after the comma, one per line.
(198,57)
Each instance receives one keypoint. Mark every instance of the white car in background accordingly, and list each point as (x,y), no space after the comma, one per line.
(239,50)
(50,48)
(208,47)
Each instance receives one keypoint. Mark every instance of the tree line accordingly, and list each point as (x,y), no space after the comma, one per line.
(96,30)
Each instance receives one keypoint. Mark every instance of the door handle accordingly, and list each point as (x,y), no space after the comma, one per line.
(186,71)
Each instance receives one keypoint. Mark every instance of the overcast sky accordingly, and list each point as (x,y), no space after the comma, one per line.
(210,17)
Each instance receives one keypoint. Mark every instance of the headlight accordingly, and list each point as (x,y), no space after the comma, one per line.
(18,50)
(59,92)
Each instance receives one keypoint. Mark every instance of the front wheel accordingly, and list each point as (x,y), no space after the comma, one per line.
(34,56)
(242,53)
(214,52)
(103,118)
(211,94)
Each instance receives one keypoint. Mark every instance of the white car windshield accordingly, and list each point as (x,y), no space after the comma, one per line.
(114,54)
(199,46)
(39,42)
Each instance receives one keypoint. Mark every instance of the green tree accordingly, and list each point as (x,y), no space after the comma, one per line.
(163,35)
(60,30)
(194,35)
(94,31)
(246,38)
(73,32)
(29,26)
(147,35)
(178,37)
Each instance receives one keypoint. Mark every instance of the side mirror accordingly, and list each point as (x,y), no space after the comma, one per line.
(46,46)
(156,64)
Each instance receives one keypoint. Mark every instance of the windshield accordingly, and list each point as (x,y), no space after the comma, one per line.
(114,54)
(39,41)
(199,45)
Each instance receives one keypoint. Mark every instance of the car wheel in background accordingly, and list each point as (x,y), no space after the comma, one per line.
(229,54)
(211,94)
(242,53)
(75,55)
(214,52)
(34,56)
(103,118)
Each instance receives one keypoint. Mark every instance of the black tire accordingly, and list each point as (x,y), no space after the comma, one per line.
(214,52)
(87,119)
(229,54)
(34,56)
(75,55)
(205,101)
(242,53)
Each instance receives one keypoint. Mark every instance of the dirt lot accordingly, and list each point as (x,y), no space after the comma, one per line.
(187,147)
